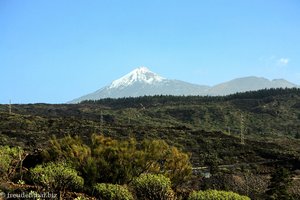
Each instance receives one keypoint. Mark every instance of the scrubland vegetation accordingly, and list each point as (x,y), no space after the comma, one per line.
(160,147)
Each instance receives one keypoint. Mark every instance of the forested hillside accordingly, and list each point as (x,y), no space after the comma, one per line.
(191,123)
(252,131)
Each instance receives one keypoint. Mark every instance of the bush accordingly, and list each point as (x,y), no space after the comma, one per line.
(71,149)
(216,195)
(165,159)
(56,177)
(153,187)
(107,160)
(10,158)
(5,159)
(107,191)
(279,183)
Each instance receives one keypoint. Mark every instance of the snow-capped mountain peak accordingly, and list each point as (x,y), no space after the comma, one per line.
(142,81)
(141,74)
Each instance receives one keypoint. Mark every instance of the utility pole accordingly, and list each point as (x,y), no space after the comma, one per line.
(101,122)
(9,107)
(130,115)
(242,130)
(228,130)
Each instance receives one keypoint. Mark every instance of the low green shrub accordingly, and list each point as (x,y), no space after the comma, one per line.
(216,195)
(57,177)
(153,187)
(9,159)
(106,191)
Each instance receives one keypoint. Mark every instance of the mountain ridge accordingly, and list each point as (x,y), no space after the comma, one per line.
(143,82)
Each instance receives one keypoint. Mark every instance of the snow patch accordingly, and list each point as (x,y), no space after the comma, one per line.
(141,74)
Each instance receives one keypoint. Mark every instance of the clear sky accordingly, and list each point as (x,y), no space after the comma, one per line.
(54,51)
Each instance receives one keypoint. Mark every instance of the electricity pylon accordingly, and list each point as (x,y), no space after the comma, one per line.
(242,130)
(101,122)
(9,107)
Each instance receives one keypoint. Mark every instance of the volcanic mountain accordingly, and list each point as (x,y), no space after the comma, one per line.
(142,81)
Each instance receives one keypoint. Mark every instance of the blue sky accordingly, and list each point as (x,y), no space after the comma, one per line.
(54,51)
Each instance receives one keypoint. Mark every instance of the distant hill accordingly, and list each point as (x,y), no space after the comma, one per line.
(142,81)
(250,83)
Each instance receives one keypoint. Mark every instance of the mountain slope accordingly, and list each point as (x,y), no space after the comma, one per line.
(188,122)
(141,82)
(250,83)
(141,74)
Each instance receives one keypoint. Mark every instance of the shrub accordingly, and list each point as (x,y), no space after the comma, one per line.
(10,158)
(106,191)
(216,195)
(56,176)
(81,198)
(177,167)
(153,187)
(279,183)
(107,160)
(34,195)
(71,149)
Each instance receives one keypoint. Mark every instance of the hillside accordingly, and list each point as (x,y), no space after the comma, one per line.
(270,120)
(207,128)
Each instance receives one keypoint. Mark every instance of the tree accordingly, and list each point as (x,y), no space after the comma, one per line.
(177,167)
(168,160)
(280,180)
(297,136)
(117,161)
(213,162)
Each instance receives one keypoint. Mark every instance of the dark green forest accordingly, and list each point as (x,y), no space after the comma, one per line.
(231,143)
